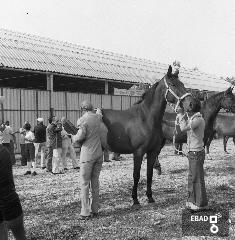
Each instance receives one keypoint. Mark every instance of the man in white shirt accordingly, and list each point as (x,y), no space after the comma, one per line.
(6,135)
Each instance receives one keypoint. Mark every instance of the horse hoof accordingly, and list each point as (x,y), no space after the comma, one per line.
(136,206)
(151,200)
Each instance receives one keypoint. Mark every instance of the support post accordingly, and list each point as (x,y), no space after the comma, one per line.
(2,107)
(106,86)
(50,89)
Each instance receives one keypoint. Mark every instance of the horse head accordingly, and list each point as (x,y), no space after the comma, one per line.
(228,100)
(176,93)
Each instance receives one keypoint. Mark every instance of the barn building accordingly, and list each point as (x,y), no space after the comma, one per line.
(39,75)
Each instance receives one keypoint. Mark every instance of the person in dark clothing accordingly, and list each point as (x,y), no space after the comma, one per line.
(57,163)
(40,141)
(54,144)
(11,214)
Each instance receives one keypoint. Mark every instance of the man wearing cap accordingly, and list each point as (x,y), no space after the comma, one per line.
(91,159)
(40,141)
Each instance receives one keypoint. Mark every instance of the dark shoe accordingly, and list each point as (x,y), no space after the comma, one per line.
(66,169)
(49,170)
(34,174)
(116,159)
(94,215)
(107,161)
(158,168)
(75,168)
(84,217)
(28,173)
(43,168)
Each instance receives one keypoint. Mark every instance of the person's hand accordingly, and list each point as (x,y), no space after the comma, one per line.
(185,117)
(73,137)
(98,111)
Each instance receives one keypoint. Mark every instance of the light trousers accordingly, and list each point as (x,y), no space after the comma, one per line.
(57,165)
(67,147)
(89,179)
(40,147)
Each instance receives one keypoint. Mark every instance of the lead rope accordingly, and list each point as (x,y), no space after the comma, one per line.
(188,137)
(175,149)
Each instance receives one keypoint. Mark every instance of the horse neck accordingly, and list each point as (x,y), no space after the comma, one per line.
(211,107)
(154,108)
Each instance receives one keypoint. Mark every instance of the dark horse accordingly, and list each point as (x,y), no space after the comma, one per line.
(224,127)
(138,130)
(209,111)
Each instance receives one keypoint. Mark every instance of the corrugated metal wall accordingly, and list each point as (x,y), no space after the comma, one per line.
(27,105)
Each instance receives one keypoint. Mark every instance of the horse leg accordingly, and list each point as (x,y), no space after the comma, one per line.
(180,148)
(208,143)
(176,148)
(151,160)
(136,176)
(225,140)
(157,164)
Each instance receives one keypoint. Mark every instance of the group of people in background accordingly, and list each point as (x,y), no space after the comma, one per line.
(51,143)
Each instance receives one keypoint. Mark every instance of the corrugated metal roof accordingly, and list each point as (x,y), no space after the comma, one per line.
(25,51)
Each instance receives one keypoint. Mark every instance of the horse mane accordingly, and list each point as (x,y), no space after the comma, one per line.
(148,94)
(211,100)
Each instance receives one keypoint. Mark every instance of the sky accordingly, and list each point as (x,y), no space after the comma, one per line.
(198,33)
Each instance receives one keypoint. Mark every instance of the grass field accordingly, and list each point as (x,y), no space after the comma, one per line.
(51,202)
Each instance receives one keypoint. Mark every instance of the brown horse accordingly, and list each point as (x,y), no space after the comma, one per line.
(138,130)
(224,127)
(209,111)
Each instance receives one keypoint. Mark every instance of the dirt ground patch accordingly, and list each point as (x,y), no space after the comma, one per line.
(51,202)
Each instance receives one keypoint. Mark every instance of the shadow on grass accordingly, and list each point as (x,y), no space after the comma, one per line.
(137,238)
(220,170)
(223,187)
(169,190)
(54,231)
(177,171)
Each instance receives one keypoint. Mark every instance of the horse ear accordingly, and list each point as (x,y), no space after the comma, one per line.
(229,90)
(169,72)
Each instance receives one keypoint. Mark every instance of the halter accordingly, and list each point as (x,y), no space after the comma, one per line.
(175,132)
(179,99)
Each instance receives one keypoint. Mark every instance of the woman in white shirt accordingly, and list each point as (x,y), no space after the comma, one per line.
(30,150)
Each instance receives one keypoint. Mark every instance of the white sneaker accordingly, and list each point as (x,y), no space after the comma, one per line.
(194,207)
